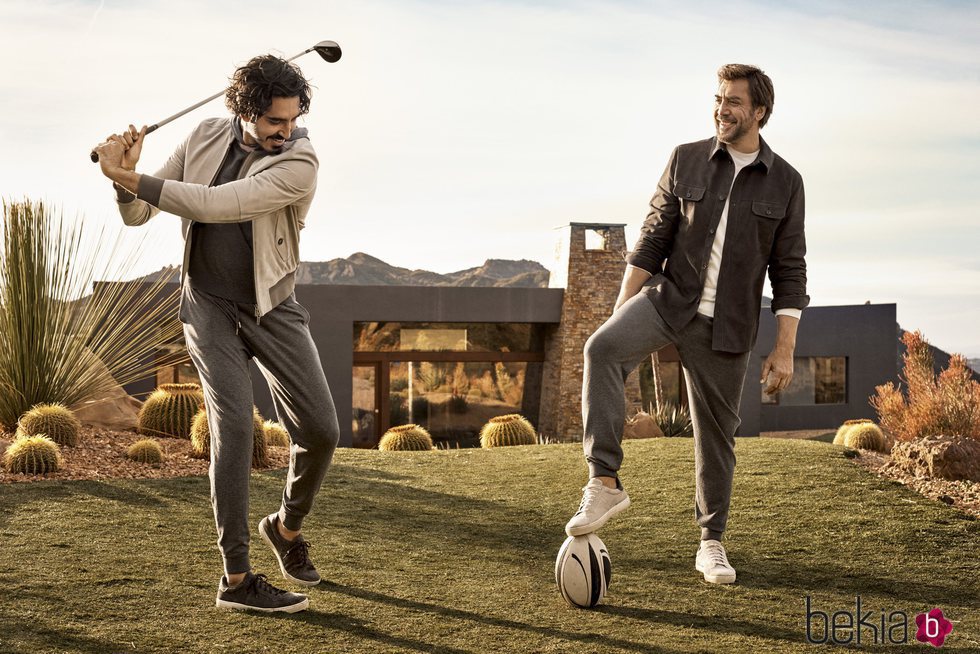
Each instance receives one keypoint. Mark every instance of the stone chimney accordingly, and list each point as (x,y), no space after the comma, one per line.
(590,261)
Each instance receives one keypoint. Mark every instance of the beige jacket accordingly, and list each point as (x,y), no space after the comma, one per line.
(274,192)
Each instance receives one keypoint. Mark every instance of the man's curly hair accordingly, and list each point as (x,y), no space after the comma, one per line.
(252,87)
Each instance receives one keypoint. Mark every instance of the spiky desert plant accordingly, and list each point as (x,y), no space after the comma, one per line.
(865,436)
(405,438)
(58,321)
(147,450)
(32,455)
(169,410)
(673,420)
(511,429)
(275,434)
(201,439)
(844,428)
(56,421)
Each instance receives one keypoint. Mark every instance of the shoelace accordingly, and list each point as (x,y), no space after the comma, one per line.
(716,556)
(300,553)
(588,497)
(260,583)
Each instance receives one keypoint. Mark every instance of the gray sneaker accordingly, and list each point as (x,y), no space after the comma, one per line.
(293,555)
(255,593)
(598,505)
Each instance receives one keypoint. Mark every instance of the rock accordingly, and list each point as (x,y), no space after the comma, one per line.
(942,457)
(642,425)
(114,410)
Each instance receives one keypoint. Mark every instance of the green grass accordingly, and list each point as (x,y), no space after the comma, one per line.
(453,551)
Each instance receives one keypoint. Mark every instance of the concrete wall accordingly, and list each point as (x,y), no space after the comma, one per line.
(865,334)
(335,309)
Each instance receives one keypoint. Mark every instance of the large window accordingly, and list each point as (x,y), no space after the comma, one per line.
(671,381)
(450,378)
(816,380)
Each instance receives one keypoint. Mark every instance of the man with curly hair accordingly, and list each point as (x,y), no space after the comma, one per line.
(243,186)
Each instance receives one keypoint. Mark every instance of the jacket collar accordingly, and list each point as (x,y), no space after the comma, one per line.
(765,152)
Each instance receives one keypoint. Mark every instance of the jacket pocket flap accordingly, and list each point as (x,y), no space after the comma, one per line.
(771,210)
(687,192)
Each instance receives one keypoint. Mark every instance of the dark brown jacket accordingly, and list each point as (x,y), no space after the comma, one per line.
(765,231)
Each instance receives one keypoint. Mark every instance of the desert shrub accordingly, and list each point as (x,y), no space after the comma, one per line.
(397,413)
(945,404)
(431,376)
(146,450)
(65,337)
(420,408)
(511,429)
(399,384)
(275,434)
(673,420)
(458,404)
(405,438)
(55,421)
(169,410)
(32,455)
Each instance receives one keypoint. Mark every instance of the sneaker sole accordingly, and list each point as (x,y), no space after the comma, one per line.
(235,606)
(582,530)
(715,579)
(282,567)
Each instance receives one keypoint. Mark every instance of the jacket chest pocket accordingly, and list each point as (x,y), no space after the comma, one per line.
(690,197)
(766,216)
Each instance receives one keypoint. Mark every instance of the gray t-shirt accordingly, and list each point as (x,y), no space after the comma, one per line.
(221,259)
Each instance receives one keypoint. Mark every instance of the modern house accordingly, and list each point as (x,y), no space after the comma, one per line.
(449,358)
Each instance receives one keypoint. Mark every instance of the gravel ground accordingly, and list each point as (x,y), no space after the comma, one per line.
(102,454)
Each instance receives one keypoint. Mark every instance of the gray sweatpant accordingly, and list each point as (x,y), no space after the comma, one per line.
(221,337)
(714,388)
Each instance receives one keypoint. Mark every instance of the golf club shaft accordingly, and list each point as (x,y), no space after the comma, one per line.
(152,128)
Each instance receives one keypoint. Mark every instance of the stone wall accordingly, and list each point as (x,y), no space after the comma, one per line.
(592,278)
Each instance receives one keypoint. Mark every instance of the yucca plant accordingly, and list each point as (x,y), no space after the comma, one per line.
(58,319)
(673,420)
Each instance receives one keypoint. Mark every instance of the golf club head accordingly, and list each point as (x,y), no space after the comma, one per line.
(329,50)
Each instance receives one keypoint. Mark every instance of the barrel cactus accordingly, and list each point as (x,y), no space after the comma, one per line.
(55,421)
(843,429)
(275,434)
(865,436)
(406,438)
(201,439)
(147,450)
(511,429)
(32,455)
(169,410)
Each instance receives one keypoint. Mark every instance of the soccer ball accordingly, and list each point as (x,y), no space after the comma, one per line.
(583,570)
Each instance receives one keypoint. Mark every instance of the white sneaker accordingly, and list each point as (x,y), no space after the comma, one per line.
(598,505)
(713,563)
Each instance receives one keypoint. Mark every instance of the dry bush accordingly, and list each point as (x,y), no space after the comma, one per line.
(945,404)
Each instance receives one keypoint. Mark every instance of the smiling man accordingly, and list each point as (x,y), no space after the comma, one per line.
(726,211)
(243,186)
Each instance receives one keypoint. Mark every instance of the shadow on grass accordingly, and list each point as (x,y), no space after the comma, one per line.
(602,641)
(34,635)
(796,574)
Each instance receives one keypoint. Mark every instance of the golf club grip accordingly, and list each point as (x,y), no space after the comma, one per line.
(95,157)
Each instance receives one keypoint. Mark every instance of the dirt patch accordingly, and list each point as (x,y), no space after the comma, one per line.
(964,495)
(101,454)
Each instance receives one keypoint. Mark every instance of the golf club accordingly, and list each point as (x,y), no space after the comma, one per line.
(328,50)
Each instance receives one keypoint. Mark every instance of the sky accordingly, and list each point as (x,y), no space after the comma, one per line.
(454,132)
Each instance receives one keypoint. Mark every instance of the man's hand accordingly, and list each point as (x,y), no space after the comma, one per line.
(778,370)
(778,367)
(133,140)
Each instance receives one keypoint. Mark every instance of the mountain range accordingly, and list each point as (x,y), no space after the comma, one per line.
(360,269)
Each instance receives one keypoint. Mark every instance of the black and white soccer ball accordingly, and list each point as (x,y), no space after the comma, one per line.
(583,570)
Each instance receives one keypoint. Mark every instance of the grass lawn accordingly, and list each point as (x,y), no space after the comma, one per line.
(453,551)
